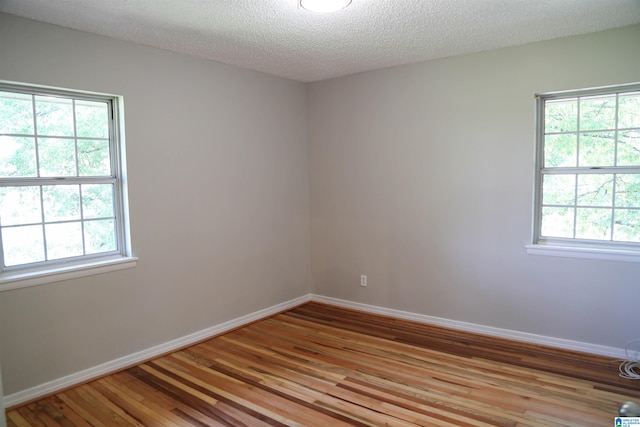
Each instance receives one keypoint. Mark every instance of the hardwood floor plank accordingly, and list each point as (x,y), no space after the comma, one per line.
(318,365)
(204,396)
(137,414)
(268,396)
(449,341)
(15,419)
(76,404)
(277,386)
(58,415)
(32,417)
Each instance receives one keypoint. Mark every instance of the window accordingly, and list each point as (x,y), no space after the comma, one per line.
(61,186)
(588,169)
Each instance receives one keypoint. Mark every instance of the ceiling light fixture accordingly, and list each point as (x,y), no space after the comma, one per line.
(324,6)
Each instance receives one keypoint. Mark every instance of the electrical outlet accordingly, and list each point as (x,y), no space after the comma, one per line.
(363,280)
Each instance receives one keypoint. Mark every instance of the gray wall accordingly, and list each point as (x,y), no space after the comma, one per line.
(218,183)
(422,178)
(3,420)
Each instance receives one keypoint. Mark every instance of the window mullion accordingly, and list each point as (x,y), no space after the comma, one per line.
(575,193)
(117,171)
(44,233)
(77,159)
(613,204)
(35,134)
(75,136)
(575,206)
(540,166)
(71,180)
(592,170)
(615,145)
(615,163)
(579,101)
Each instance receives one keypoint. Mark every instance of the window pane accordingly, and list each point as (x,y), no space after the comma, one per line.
(629,148)
(93,158)
(97,201)
(92,119)
(597,149)
(61,202)
(57,157)
(629,110)
(19,205)
(595,190)
(560,150)
(17,156)
(60,194)
(559,190)
(16,113)
(627,225)
(598,112)
(594,224)
(557,222)
(22,245)
(54,116)
(100,236)
(628,190)
(561,115)
(63,240)
(587,182)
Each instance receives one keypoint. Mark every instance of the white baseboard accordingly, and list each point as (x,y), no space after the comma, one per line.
(144,355)
(615,353)
(48,388)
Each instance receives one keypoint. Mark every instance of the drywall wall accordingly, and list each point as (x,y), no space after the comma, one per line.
(422,179)
(3,419)
(218,185)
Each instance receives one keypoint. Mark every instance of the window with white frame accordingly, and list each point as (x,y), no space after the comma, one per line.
(588,169)
(61,189)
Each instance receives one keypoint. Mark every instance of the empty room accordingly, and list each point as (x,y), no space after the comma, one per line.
(269,213)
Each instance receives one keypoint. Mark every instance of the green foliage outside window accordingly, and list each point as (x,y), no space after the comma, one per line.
(590,172)
(57,183)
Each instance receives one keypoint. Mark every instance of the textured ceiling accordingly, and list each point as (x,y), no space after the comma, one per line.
(278,37)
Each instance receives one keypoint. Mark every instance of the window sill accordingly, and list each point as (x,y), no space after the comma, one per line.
(17,280)
(584,253)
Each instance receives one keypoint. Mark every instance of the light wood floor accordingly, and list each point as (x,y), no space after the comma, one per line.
(318,365)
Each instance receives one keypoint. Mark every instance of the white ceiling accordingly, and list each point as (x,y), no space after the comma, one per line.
(278,37)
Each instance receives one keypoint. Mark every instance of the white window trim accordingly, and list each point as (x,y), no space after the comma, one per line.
(570,249)
(584,252)
(22,278)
